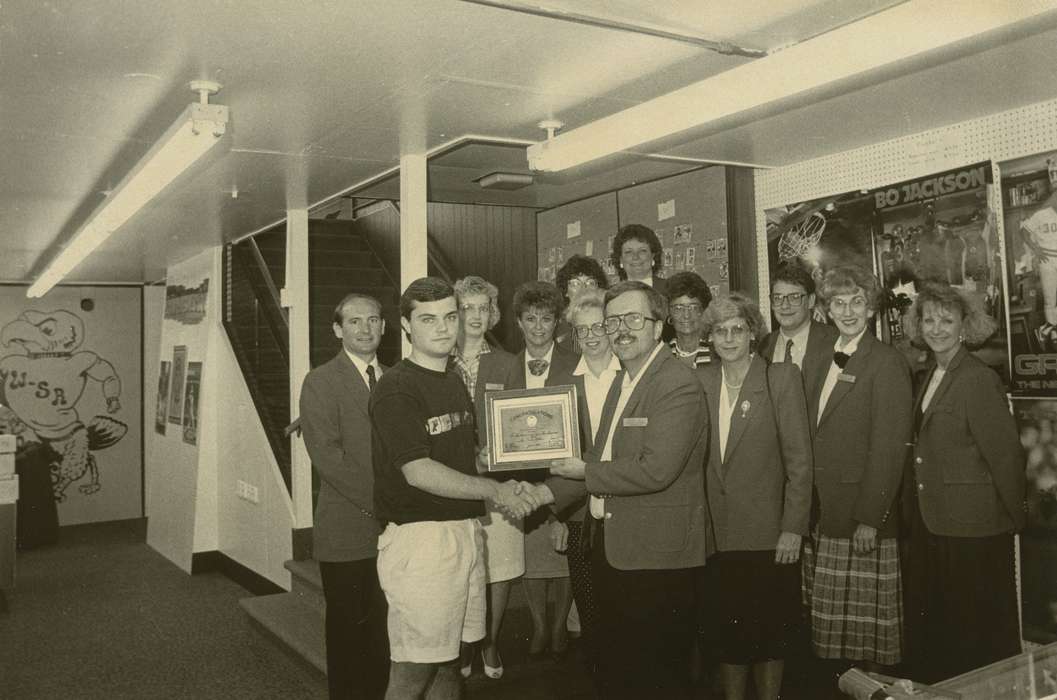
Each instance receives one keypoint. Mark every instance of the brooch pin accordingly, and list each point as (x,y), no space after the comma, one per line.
(745,406)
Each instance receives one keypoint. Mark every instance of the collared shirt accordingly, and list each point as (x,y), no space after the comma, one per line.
(799,345)
(934,382)
(596,388)
(361,367)
(533,381)
(627,388)
(468,368)
(726,411)
(702,356)
(835,371)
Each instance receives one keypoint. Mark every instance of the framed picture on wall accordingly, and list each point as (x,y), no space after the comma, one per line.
(176,386)
(192,392)
(161,411)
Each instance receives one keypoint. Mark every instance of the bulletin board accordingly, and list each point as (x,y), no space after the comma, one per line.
(688,212)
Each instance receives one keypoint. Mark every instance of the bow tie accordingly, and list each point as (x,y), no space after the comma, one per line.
(841,359)
(537,367)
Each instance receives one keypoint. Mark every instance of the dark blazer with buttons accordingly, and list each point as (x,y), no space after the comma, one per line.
(861,441)
(563,363)
(761,486)
(654,485)
(337,434)
(817,356)
(493,373)
(968,467)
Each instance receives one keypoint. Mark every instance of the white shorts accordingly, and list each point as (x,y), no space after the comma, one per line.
(433,575)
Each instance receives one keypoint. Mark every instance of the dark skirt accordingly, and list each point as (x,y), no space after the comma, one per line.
(750,607)
(961,602)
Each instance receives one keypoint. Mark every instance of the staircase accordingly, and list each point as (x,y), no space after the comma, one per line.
(295,619)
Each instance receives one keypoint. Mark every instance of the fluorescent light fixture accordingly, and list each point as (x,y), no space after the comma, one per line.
(905,31)
(198,129)
(504,181)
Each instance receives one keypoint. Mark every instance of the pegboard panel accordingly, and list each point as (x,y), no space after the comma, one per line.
(998,137)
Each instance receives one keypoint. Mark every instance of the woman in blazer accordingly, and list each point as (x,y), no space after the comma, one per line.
(759,495)
(963,497)
(485,368)
(861,418)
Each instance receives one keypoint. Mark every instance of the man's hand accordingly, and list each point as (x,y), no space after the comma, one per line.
(864,540)
(788,549)
(513,499)
(569,467)
(559,536)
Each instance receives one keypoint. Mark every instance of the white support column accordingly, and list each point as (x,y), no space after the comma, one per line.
(413,242)
(295,299)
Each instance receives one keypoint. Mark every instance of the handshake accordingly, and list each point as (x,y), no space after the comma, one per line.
(517,499)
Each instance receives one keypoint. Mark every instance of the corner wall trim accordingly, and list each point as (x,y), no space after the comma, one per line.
(205,562)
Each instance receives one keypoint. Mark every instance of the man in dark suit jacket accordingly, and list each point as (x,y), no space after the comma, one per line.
(337,433)
(808,342)
(648,510)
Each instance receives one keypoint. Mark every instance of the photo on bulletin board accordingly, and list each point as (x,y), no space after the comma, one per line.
(1029,217)
(161,410)
(176,386)
(1037,420)
(192,392)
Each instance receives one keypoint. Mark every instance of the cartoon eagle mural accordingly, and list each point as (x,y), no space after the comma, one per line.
(42,382)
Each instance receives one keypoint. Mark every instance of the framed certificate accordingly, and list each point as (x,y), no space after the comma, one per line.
(527,428)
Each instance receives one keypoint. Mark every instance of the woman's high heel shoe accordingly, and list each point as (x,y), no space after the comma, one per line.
(493,672)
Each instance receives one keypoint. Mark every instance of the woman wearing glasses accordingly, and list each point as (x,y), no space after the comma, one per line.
(963,495)
(485,368)
(688,297)
(580,273)
(759,496)
(861,414)
(593,377)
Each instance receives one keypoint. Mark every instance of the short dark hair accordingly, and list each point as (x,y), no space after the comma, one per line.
(537,295)
(421,290)
(793,272)
(636,232)
(339,318)
(580,265)
(658,304)
(689,284)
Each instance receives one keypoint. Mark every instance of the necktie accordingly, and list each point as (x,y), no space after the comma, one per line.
(372,381)
(789,350)
(537,367)
(840,359)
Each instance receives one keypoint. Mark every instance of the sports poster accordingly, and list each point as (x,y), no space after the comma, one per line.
(1029,204)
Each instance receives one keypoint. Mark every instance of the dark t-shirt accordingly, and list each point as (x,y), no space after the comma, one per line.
(415,413)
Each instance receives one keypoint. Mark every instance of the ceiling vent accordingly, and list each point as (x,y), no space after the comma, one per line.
(504,181)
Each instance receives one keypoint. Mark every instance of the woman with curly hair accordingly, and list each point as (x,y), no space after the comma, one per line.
(963,496)
(861,414)
(637,254)
(579,274)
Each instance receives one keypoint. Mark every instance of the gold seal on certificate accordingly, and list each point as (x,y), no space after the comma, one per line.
(527,428)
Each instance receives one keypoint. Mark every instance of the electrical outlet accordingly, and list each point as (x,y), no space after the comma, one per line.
(252,493)
(240,488)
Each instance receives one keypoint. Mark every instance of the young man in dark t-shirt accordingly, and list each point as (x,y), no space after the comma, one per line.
(430,557)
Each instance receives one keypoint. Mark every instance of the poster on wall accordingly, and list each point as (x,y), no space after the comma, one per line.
(161,409)
(186,304)
(1037,419)
(1029,204)
(176,386)
(192,392)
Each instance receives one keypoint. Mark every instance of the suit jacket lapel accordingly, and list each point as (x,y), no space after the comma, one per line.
(713,386)
(517,373)
(945,383)
(856,364)
(587,441)
(609,407)
(354,383)
(749,394)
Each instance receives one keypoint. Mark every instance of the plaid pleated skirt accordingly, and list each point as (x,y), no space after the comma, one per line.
(855,600)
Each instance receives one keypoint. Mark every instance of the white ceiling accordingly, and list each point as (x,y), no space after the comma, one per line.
(328,94)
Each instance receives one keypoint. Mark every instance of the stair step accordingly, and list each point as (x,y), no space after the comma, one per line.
(292,623)
(307,582)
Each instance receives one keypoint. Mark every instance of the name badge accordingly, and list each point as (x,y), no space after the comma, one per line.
(636,422)
(842,377)
(488,386)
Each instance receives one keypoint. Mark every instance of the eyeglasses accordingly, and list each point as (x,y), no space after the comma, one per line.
(737,332)
(633,320)
(583,283)
(598,329)
(839,305)
(479,308)
(794,299)
(689,309)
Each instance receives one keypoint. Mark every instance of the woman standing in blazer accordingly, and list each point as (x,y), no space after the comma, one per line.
(485,368)
(963,497)
(861,414)
(759,496)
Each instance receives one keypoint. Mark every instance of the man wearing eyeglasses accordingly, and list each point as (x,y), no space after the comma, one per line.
(345,532)
(647,512)
(798,339)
